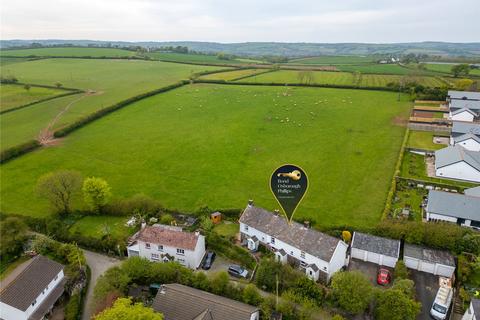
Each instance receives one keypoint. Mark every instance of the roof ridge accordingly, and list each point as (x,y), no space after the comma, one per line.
(22,272)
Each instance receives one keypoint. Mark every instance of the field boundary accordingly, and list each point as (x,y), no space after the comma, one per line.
(253,75)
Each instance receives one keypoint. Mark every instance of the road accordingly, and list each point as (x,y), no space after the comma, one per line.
(98,264)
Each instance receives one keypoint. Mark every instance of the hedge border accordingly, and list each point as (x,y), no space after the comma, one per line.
(41,100)
(18,150)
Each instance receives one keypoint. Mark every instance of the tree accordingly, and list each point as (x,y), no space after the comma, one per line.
(394,304)
(406,286)
(464,84)
(96,192)
(59,187)
(400,271)
(251,295)
(206,224)
(459,69)
(124,309)
(220,282)
(58,84)
(27,87)
(13,233)
(352,291)
(308,290)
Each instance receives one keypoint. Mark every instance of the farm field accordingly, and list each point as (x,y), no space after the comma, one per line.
(232,75)
(110,81)
(292,76)
(195,58)
(216,145)
(12,96)
(68,52)
(379,69)
(381,80)
(447,68)
(333,60)
(7,61)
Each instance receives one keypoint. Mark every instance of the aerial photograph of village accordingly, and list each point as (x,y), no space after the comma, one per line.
(256,160)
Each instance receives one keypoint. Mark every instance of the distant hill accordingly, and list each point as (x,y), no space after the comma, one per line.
(281,49)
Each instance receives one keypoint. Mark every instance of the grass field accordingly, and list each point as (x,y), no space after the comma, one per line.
(99,226)
(111,81)
(423,140)
(195,58)
(217,145)
(68,52)
(447,68)
(12,96)
(232,75)
(378,69)
(7,61)
(333,60)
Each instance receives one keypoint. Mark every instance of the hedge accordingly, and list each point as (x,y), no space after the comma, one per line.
(229,250)
(18,150)
(42,100)
(102,112)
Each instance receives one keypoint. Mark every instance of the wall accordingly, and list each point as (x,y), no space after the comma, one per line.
(459,170)
(189,259)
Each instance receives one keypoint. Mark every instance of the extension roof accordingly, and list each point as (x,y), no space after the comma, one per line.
(295,234)
(453,154)
(464,109)
(456,205)
(179,302)
(466,136)
(460,127)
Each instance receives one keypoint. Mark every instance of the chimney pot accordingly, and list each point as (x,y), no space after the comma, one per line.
(276,212)
(306,224)
(250,203)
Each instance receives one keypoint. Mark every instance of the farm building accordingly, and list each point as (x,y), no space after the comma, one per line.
(317,254)
(381,251)
(428,260)
(463,114)
(462,95)
(179,302)
(462,209)
(468,141)
(473,311)
(31,290)
(455,162)
(161,243)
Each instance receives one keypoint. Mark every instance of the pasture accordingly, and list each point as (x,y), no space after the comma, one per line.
(108,82)
(68,52)
(216,146)
(333,60)
(447,68)
(233,75)
(12,96)
(379,69)
(190,58)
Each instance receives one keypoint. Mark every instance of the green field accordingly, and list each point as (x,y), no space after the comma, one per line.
(68,52)
(447,68)
(7,61)
(99,226)
(233,75)
(194,58)
(333,60)
(110,81)
(378,69)
(217,145)
(12,96)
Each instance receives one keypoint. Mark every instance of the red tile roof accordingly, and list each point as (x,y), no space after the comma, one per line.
(168,237)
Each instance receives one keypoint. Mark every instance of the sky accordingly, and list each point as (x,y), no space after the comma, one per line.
(321,21)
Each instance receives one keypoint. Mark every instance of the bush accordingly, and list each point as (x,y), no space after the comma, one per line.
(251,295)
(400,271)
(229,250)
(18,150)
(73,307)
(352,291)
(267,272)
(138,204)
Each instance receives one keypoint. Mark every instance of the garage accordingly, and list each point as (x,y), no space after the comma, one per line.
(378,250)
(432,261)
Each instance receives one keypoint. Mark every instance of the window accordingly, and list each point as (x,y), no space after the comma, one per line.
(272,240)
(303,264)
(246,228)
(56,277)
(302,255)
(181,261)
(147,245)
(33,303)
(180,251)
(154,256)
(160,247)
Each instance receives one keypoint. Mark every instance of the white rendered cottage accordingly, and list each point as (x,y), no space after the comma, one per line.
(163,243)
(318,254)
(31,290)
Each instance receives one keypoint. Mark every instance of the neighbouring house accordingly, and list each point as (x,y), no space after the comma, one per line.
(31,290)
(162,243)
(462,95)
(473,311)
(456,162)
(460,128)
(381,251)
(456,104)
(468,141)
(463,114)
(317,254)
(179,302)
(462,209)
(429,260)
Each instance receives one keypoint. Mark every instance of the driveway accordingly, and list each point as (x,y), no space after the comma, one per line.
(370,270)
(426,287)
(98,264)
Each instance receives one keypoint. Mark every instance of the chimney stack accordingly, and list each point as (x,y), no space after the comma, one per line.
(250,203)
(276,212)
(306,224)
(144,224)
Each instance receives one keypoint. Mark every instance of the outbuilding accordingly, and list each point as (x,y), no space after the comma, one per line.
(381,251)
(432,261)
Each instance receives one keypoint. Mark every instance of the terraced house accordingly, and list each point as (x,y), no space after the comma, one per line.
(317,254)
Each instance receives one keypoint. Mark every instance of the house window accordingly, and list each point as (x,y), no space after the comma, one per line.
(302,255)
(160,247)
(56,277)
(33,303)
(154,256)
(272,240)
(303,264)
(147,245)
(181,261)
(246,228)
(180,251)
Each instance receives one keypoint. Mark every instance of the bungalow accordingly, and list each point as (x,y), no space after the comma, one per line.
(317,254)
(462,209)
(473,311)
(460,128)
(468,141)
(167,243)
(432,261)
(458,163)
(463,114)
(381,251)
(462,95)
(455,105)
(31,290)
(179,302)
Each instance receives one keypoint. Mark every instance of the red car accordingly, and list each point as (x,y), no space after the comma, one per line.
(384,277)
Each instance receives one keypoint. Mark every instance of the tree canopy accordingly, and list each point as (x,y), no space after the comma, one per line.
(59,187)
(124,309)
(352,291)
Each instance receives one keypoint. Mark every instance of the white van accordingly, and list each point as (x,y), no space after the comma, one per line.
(443,300)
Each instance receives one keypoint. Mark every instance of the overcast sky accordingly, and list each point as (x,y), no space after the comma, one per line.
(244,20)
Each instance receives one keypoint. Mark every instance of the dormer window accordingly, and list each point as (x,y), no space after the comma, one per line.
(160,247)
(272,240)
(302,255)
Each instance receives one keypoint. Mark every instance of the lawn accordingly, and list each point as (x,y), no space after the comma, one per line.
(333,60)
(293,76)
(12,96)
(216,146)
(233,75)
(68,52)
(409,197)
(423,140)
(99,226)
(111,81)
(227,230)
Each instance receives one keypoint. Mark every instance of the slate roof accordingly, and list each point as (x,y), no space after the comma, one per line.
(466,136)
(166,236)
(461,127)
(429,255)
(475,114)
(454,94)
(454,205)
(454,154)
(476,306)
(295,234)
(179,302)
(465,104)
(384,246)
(49,302)
(30,282)
(473,191)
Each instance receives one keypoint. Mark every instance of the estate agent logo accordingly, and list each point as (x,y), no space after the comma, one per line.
(289,184)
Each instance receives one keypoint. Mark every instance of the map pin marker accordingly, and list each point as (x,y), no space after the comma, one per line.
(289,183)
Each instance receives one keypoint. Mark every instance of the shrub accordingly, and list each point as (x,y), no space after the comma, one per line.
(18,150)
(400,271)
(72,310)
(166,219)
(251,295)
(352,291)
(308,290)
(229,250)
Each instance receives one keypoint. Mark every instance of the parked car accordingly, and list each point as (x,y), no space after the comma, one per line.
(207,264)
(384,277)
(237,271)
